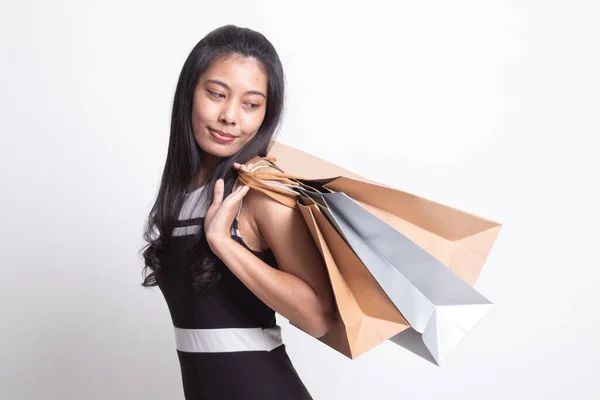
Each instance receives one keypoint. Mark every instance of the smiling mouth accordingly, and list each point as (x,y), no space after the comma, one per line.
(222,137)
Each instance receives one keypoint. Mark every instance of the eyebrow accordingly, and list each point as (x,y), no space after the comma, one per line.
(221,83)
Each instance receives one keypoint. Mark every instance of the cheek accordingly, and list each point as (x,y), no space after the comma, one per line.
(203,112)
(252,123)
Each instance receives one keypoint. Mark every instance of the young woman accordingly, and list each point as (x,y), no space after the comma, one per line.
(224,265)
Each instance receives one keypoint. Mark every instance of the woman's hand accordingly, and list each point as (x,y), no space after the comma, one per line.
(220,215)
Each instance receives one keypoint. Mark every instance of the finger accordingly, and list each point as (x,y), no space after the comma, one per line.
(237,195)
(218,193)
(237,165)
(236,186)
(241,192)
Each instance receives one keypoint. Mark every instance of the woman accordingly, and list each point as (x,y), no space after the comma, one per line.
(225,266)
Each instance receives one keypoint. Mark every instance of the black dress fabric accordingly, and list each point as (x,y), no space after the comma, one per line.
(224,375)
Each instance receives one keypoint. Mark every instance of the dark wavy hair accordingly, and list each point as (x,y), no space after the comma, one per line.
(184,157)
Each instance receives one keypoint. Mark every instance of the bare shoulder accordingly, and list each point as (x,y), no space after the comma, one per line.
(261,205)
(277,222)
(284,230)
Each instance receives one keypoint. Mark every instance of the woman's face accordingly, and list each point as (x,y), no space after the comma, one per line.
(229,105)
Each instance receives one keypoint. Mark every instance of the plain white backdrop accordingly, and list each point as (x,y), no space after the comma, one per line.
(491,107)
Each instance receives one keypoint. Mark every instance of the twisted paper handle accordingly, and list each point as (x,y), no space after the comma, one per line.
(281,187)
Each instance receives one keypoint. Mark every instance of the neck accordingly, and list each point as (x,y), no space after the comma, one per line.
(209,163)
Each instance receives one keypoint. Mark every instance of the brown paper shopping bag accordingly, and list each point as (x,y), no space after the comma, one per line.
(364,315)
(460,240)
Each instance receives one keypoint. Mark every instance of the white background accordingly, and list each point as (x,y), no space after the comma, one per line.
(491,107)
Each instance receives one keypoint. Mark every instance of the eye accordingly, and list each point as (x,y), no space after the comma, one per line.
(253,105)
(215,94)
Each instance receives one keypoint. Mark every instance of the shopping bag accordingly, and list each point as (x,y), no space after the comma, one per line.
(460,240)
(364,316)
(434,300)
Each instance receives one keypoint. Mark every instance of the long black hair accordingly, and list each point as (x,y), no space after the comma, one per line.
(184,157)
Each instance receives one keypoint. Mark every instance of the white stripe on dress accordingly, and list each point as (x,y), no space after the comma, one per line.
(227,340)
(191,208)
(185,230)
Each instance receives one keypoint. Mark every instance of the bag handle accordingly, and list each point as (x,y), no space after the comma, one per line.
(282,187)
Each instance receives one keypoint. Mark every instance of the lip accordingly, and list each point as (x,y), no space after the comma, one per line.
(222,136)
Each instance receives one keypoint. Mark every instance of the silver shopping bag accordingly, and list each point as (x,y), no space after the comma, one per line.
(435,301)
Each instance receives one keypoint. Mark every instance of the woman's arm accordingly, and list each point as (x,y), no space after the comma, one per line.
(300,289)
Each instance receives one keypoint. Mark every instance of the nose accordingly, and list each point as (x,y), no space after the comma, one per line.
(228,113)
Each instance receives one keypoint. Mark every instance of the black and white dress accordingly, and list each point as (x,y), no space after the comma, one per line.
(228,342)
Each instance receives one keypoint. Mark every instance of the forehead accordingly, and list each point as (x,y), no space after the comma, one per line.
(239,73)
